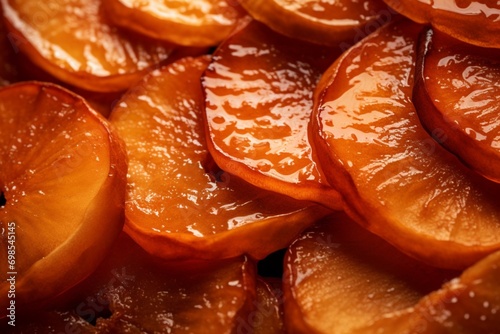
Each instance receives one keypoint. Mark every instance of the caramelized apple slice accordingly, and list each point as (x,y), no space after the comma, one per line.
(267,316)
(132,292)
(339,278)
(474,22)
(62,186)
(191,23)
(179,204)
(396,180)
(74,41)
(258,91)
(457,89)
(324,22)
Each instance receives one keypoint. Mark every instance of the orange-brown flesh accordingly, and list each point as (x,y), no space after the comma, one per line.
(474,22)
(133,292)
(63,175)
(8,64)
(337,23)
(258,92)
(179,204)
(340,277)
(74,41)
(193,23)
(396,180)
(267,316)
(457,97)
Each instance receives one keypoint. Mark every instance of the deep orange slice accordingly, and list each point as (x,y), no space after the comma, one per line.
(258,91)
(62,185)
(132,292)
(457,97)
(179,203)
(472,21)
(190,23)
(396,180)
(339,278)
(335,23)
(74,41)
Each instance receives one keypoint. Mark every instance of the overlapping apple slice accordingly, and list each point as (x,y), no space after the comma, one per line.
(267,316)
(74,41)
(475,22)
(324,22)
(190,23)
(179,203)
(457,97)
(339,278)
(258,91)
(133,292)
(396,180)
(62,186)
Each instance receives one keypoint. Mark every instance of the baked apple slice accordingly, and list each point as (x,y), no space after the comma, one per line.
(74,41)
(267,316)
(179,203)
(396,180)
(457,97)
(474,22)
(339,278)
(330,23)
(133,292)
(258,91)
(190,23)
(62,186)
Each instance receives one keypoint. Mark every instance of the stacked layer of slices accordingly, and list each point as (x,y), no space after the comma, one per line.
(233,154)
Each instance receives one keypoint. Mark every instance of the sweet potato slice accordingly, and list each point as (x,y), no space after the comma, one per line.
(457,97)
(339,278)
(474,22)
(396,180)
(75,41)
(190,23)
(259,90)
(334,23)
(179,203)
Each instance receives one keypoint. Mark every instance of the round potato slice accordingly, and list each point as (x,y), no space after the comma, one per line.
(334,23)
(62,186)
(74,41)
(474,22)
(184,22)
(179,203)
(396,180)
(339,278)
(457,97)
(259,95)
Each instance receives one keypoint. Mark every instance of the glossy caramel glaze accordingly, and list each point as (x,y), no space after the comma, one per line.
(457,96)
(396,179)
(190,23)
(259,90)
(74,41)
(337,23)
(472,21)
(179,203)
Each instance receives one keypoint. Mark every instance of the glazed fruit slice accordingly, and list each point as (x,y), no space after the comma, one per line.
(190,23)
(324,22)
(339,278)
(258,91)
(179,203)
(474,22)
(62,184)
(132,292)
(73,40)
(396,180)
(457,97)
